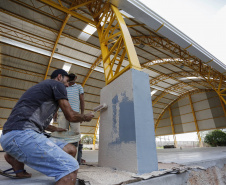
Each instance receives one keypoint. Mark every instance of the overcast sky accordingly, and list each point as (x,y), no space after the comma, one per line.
(204,21)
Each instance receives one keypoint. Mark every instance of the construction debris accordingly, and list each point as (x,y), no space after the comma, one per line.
(91,174)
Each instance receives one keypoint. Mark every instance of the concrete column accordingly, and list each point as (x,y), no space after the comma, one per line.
(127,137)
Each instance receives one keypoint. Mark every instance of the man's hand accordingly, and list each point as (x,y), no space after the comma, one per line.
(60,130)
(52,128)
(88,117)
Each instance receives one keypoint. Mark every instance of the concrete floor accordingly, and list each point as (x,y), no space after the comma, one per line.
(189,156)
(184,156)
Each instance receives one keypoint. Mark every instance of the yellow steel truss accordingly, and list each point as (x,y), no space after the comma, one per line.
(195,120)
(95,134)
(223,106)
(56,42)
(60,5)
(172,126)
(115,40)
(19,34)
(94,65)
(214,78)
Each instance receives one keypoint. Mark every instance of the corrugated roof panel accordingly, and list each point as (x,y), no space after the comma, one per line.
(171,81)
(91,105)
(15,83)
(96,83)
(92,98)
(98,75)
(77,45)
(79,70)
(20,76)
(25,12)
(14,66)
(72,30)
(160,106)
(151,73)
(24,54)
(94,40)
(5,112)
(7,103)
(161,69)
(2,122)
(163,85)
(76,54)
(9,92)
(95,91)
(173,67)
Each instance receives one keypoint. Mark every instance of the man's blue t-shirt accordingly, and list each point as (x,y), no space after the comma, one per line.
(36,107)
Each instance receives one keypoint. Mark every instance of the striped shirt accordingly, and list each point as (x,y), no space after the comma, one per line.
(73,93)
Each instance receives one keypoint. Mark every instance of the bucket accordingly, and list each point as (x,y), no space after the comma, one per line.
(67,136)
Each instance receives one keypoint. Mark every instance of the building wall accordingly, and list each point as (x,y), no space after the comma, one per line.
(208,111)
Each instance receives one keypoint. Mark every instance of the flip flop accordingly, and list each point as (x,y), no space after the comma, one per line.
(7,173)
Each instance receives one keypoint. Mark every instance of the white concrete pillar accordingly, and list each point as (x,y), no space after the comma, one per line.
(127,137)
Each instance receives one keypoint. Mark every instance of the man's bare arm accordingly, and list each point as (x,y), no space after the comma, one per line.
(54,129)
(71,115)
(82,103)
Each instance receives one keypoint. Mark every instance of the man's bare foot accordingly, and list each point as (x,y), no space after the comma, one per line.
(16,165)
(83,161)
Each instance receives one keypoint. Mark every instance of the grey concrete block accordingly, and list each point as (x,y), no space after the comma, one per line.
(127,137)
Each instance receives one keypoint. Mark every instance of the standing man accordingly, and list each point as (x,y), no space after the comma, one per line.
(76,99)
(24,139)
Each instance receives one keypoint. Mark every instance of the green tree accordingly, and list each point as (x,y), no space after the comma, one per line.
(86,139)
(216,138)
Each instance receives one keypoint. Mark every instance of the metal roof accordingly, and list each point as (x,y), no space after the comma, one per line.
(29,30)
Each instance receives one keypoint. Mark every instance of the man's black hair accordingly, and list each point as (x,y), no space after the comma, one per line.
(57,72)
(72,76)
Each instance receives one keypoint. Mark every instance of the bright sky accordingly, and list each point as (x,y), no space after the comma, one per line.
(201,20)
(204,21)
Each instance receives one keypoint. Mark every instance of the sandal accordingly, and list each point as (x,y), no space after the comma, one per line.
(7,173)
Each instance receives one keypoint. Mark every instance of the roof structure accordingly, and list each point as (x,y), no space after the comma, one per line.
(39,36)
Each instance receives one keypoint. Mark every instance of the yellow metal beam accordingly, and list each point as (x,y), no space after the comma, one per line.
(115,41)
(56,42)
(66,10)
(95,134)
(223,106)
(172,126)
(209,61)
(80,5)
(188,46)
(159,27)
(94,65)
(196,123)
(131,52)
